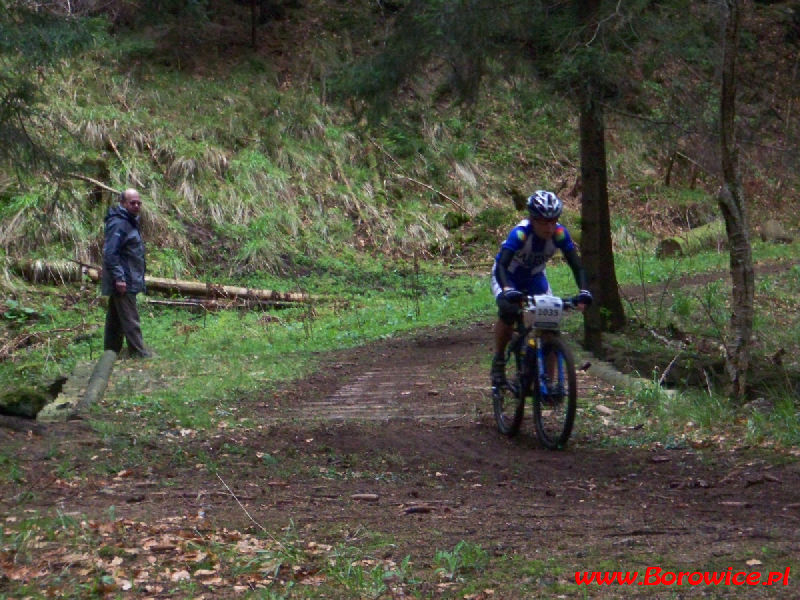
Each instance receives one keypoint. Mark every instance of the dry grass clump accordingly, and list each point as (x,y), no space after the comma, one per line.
(68,221)
(157,228)
(183,169)
(216,161)
(6,281)
(94,134)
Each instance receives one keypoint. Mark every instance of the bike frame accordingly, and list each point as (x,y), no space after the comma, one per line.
(530,338)
(539,354)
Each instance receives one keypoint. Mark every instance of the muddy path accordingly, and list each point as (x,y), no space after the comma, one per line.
(397,440)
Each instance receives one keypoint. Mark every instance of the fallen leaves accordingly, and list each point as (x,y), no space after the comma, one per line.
(124,554)
(753,562)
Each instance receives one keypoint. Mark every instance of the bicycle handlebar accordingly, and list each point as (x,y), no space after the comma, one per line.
(568,302)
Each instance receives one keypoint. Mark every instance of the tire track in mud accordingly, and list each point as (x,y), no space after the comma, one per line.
(435,377)
(432,377)
(383,394)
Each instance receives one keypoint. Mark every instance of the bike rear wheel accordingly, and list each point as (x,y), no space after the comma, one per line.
(509,401)
(554,411)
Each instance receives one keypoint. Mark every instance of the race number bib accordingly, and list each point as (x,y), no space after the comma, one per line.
(547,312)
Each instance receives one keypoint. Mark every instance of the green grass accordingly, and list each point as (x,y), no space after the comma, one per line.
(462,560)
(208,361)
(231,355)
(693,418)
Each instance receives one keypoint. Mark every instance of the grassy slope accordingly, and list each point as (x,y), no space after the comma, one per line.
(250,168)
(237,163)
(253,176)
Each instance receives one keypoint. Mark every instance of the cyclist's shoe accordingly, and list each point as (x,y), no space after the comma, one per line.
(498,374)
(555,393)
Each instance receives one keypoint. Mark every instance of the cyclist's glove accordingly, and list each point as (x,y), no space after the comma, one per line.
(513,296)
(585,297)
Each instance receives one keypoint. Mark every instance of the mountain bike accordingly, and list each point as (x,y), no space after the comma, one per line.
(542,368)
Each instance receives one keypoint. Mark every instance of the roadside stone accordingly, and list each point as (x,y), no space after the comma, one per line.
(23,402)
(774,231)
(366,497)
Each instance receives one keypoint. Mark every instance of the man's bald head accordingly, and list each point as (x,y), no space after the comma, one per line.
(131,201)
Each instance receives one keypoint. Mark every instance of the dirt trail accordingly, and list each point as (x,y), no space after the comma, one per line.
(409,422)
(418,412)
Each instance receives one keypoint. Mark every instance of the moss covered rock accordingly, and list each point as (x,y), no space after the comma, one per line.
(23,402)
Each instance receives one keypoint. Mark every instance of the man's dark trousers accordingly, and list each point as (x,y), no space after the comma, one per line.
(122,321)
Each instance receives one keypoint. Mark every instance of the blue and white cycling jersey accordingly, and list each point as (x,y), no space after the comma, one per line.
(531,253)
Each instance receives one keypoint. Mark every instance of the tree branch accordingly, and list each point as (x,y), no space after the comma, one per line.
(93,181)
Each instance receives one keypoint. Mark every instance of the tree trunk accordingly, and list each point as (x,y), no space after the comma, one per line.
(734,210)
(253,20)
(215,290)
(606,313)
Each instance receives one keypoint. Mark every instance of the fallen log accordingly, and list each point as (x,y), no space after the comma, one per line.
(38,271)
(41,271)
(774,231)
(21,424)
(98,380)
(215,290)
(711,235)
(80,391)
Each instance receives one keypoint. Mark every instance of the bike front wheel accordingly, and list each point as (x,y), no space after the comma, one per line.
(554,407)
(509,402)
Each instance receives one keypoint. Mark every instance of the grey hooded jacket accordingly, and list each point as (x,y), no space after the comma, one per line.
(123,252)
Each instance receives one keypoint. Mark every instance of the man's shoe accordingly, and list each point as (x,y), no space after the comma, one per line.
(499,380)
(555,393)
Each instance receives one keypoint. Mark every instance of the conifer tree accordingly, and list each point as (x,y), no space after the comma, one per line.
(30,40)
(575,49)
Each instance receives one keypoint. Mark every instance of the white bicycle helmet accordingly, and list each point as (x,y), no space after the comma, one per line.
(544,205)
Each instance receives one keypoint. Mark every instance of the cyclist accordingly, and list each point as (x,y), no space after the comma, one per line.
(519,269)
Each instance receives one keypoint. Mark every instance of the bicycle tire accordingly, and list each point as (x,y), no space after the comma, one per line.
(554,417)
(509,401)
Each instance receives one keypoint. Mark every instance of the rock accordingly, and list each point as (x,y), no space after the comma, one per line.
(23,402)
(759,405)
(773,231)
(365,497)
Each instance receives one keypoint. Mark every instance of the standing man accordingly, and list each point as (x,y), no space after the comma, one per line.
(123,274)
